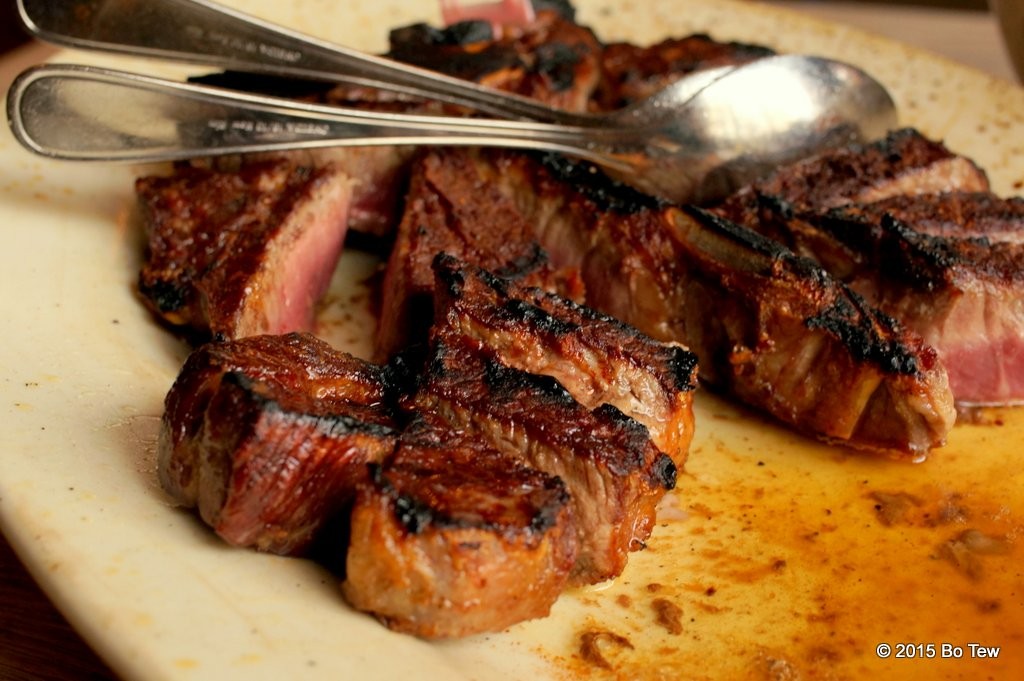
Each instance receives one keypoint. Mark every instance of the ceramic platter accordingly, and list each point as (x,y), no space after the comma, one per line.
(775,558)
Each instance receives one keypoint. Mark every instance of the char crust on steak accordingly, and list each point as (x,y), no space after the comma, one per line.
(268,435)
(596,358)
(450,537)
(551,59)
(913,228)
(469,220)
(950,267)
(768,327)
(463,480)
(782,335)
(242,253)
(904,162)
(614,473)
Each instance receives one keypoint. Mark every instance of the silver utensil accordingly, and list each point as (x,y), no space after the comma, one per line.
(200,31)
(742,123)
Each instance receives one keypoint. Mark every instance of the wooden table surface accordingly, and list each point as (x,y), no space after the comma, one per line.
(36,642)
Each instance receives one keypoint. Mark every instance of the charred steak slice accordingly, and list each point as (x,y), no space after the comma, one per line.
(597,358)
(268,436)
(951,267)
(551,59)
(912,227)
(778,332)
(768,327)
(378,178)
(233,254)
(448,210)
(614,473)
(378,174)
(904,162)
(451,538)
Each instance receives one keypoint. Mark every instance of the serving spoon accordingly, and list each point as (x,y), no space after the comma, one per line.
(673,143)
(739,123)
(203,32)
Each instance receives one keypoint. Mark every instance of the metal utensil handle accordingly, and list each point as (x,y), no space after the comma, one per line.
(199,31)
(86,113)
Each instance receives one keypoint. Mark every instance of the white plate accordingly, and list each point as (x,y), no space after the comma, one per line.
(772,549)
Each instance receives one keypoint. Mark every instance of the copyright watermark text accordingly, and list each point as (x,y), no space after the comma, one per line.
(929,651)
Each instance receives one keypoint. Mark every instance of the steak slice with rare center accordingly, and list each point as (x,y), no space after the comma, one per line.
(913,228)
(269,435)
(242,253)
(951,267)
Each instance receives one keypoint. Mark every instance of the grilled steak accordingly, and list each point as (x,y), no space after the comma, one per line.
(597,359)
(551,59)
(912,227)
(233,254)
(451,538)
(782,335)
(446,211)
(767,326)
(533,444)
(949,266)
(268,436)
(905,162)
(613,472)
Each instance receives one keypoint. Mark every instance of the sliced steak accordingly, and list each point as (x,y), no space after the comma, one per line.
(614,473)
(233,254)
(904,162)
(378,173)
(951,267)
(768,327)
(268,436)
(448,210)
(451,538)
(378,177)
(597,358)
(912,227)
(782,335)
(551,59)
